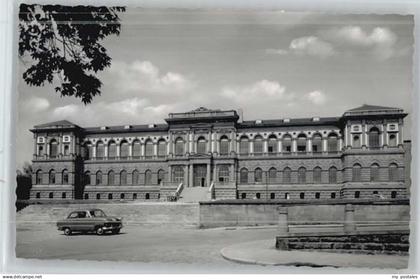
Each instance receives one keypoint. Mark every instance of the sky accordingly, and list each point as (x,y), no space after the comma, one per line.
(269,64)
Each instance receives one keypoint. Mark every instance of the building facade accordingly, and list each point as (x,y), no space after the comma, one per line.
(360,155)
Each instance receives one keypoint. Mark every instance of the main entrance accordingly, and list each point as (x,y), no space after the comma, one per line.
(200,175)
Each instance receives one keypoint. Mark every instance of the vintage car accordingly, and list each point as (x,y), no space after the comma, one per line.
(90,220)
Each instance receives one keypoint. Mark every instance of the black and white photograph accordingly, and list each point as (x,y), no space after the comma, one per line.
(223,138)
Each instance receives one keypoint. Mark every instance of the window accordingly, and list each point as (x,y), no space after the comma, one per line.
(357,173)
(301,143)
(100,150)
(98,196)
(123,177)
(224,174)
(333,195)
(201,145)
(272,175)
(161,176)
(272,196)
(178,174)
(136,149)
(111,177)
(356,141)
(393,194)
(357,194)
(162,148)
(287,144)
(243,196)
(53,148)
(40,150)
(98,178)
(63,195)
(224,145)
(258,145)
(149,148)
(258,175)
(287,175)
(112,149)
(135,196)
(124,153)
(51,195)
(243,176)
(122,196)
(38,195)
(66,150)
(317,143)
(272,145)
(332,175)
(51,176)
(179,147)
(317,195)
(86,196)
(109,196)
(65,177)
(302,196)
(301,175)
(147,196)
(86,178)
(393,172)
(38,176)
(374,138)
(135,177)
(392,140)
(374,172)
(148,177)
(332,143)
(88,150)
(257,196)
(287,196)
(244,146)
(317,175)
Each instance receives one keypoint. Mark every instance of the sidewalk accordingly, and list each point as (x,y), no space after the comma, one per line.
(263,252)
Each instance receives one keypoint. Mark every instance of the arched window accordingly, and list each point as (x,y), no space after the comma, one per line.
(123,177)
(148,177)
(332,175)
(53,148)
(301,175)
(357,173)
(356,141)
(109,196)
(124,149)
(392,142)
(51,179)
(316,143)
(301,143)
(243,176)
(161,176)
(66,150)
(51,195)
(272,144)
(244,146)
(100,150)
(111,177)
(112,149)
(374,138)
(258,145)
(179,147)
(86,178)
(136,149)
(374,172)
(88,150)
(99,178)
(287,144)
(98,196)
(272,175)
(38,176)
(201,145)
(393,172)
(258,175)
(224,145)
(178,174)
(40,150)
(223,173)
(332,142)
(149,148)
(65,177)
(287,175)
(162,148)
(135,177)
(317,175)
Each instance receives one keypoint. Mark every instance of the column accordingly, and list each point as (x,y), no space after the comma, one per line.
(143,149)
(265,146)
(349,224)
(130,149)
(340,144)
(294,145)
(118,149)
(35,145)
(309,144)
(232,142)
(381,138)
(191,175)
(170,144)
(280,146)
(215,173)
(155,149)
(106,150)
(93,150)
(324,144)
(208,175)
(213,142)
(346,136)
(190,142)
(209,144)
(251,146)
(364,136)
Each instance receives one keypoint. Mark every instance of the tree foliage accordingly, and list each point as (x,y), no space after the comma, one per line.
(64,45)
(24,182)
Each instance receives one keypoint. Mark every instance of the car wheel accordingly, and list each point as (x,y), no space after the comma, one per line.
(67,231)
(99,231)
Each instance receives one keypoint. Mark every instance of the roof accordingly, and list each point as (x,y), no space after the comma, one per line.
(366,107)
(55,124)
(290,122)
(127,128)
(374,111)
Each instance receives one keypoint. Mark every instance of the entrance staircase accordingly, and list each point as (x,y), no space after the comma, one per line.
(194,194)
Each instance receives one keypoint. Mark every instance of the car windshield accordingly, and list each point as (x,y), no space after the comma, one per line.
(97,213)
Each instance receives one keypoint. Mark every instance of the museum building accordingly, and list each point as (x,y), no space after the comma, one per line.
(359,155)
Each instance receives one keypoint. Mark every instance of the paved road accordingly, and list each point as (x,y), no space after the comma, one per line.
(136,243)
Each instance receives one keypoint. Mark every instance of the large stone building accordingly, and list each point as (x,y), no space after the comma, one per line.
(358,155)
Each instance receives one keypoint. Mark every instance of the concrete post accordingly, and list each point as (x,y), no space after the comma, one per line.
(283,226)
(349,224)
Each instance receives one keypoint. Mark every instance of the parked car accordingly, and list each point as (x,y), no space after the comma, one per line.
(90,220)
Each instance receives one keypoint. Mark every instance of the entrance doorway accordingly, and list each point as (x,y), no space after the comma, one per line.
(200,176)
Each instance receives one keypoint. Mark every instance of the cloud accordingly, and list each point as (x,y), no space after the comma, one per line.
(279,51)
(145,77)
(261,89)
(36,104)
(312,46)
(316,97)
